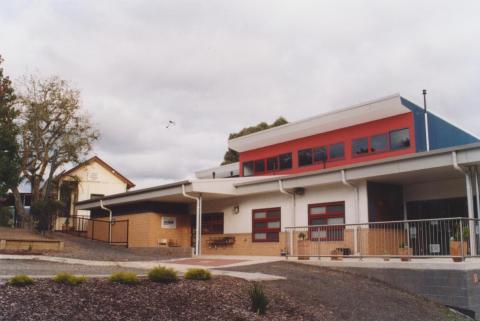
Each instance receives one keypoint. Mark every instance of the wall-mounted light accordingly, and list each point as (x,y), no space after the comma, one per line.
(236,209)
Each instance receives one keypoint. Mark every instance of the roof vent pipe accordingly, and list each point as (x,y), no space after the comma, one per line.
(427,134)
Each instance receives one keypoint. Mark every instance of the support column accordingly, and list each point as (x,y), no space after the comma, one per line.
(471,214)
(199,226)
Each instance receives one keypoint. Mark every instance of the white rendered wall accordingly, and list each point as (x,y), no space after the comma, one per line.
(242,222)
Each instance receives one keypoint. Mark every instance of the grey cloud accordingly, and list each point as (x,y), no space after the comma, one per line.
(214,67)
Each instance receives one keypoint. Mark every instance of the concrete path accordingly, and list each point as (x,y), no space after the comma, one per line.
(53,264)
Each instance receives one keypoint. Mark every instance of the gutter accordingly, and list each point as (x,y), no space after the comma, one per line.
(109,221)
(198,200)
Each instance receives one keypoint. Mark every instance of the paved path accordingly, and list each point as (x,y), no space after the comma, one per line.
(50,265)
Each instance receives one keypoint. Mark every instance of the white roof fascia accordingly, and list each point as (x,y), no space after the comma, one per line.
(366,112)
(220,171)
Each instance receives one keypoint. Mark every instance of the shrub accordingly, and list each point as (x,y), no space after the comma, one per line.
(198,274)
(21,280)
(124,278)
(258,299)
(67,278)
(162,274)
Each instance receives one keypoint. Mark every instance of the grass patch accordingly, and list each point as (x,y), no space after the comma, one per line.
(198,274)
(124,278)
(67,278)
(21,280)
(258,299)
(162,274)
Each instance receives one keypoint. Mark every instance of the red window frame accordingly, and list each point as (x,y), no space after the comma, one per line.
(210,220)
(397,130)
(268,231)
(368,146)
(334,233)
(275,158)
(303,150)
(253,168)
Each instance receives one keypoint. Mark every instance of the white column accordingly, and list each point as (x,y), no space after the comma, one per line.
(471,214)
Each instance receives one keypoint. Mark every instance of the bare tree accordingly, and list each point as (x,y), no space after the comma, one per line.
(53,131)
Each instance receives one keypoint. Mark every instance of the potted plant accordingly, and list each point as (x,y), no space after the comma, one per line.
(404,251)
(303,246)
(386,257)
(458,249)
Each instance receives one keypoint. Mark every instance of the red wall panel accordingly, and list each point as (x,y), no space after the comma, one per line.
(345,135)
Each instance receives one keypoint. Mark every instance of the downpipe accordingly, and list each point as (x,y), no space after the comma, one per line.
(198,219)
(109,221)
(471,215)
(294,199)
(356,200)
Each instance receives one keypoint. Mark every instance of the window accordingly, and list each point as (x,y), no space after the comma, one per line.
(320,154)
(379,143)
(248,168)
(266,225)
(305,157)
(337,151)
(326,214)
(285,161)
(359,146)
(260,166)
(400,139)
(212,223)
(272,164)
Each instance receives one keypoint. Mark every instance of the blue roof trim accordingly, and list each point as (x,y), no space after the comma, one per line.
(441,133)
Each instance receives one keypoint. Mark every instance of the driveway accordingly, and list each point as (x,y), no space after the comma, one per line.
(347,296)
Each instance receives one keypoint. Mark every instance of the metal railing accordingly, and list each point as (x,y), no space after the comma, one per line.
(98,230)
(443,237)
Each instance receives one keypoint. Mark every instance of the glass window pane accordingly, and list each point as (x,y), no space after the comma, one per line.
(248,169)
(285,161)
(260,224)
(318,210)
(337,151)
(338,208)
(320,154)
(305,157)
(272,164)
(273,214)
(260,215)
(400,139)
(318,221)
(319,234)
(359,146)
(260,236)
(335,220)
(272,236)
(379,143)
(260,166)
(275,224)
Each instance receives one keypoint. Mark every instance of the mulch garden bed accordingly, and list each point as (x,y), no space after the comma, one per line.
(222,298)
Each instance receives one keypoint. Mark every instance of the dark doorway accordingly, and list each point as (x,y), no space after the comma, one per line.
(385,202)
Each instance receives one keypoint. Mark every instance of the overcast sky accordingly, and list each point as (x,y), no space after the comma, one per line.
(214,67)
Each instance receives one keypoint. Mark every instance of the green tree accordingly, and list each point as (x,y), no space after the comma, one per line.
(231,156)
(54,131)
(9,162)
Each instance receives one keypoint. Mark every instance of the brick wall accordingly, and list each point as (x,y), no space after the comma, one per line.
(244,246)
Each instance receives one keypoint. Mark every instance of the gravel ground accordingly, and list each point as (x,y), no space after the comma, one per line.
(348,296)
(222,298)
(12,267)
(81,248)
